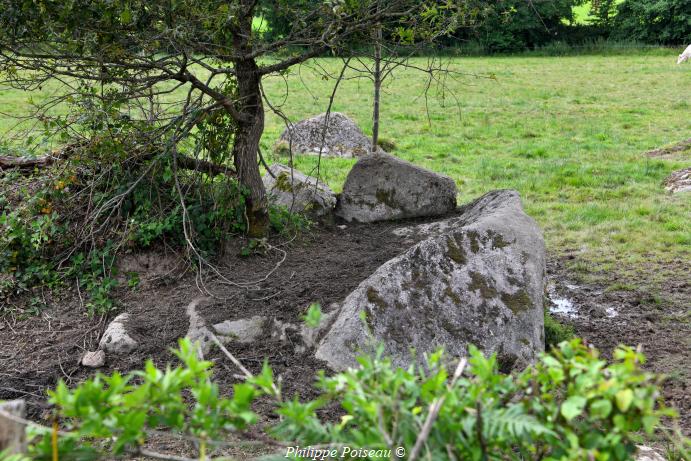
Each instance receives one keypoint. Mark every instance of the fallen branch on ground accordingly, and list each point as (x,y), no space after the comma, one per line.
(27,164)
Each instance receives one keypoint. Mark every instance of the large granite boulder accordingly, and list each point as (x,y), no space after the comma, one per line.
(477,278)
(383,187)
(343,137)
(298,192)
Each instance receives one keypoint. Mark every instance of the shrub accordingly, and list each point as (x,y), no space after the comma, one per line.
(556,332)
(570,405)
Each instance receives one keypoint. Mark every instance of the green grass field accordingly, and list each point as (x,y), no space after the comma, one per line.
(568,133)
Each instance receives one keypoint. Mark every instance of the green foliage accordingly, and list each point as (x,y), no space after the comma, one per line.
(29,225)
(284,222)
(254,246)
(654,21)
(113,413)
(313,317)
(570,405)
(515,25)
(556,332)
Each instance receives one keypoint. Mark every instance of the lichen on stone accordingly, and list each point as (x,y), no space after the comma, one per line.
(453,296)
(374,298)
(283,182)
(479,282)
(474,238)
(517,302)
(497,240)
(455,251)
(386,197)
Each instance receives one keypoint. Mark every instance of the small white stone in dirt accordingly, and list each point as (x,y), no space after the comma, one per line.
(644,453)
(116,339)
(343,227)
(94,359)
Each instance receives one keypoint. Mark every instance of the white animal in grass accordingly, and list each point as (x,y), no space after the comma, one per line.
(685,56)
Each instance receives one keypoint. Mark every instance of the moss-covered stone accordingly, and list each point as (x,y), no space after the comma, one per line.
(474,238)
(386,197)
(374,298)
(283,182)
(497,240)
(517,302)
(455,251)
(479,282)
(453,296)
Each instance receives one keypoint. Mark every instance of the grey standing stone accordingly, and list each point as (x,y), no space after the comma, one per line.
(383,187)
(474,279)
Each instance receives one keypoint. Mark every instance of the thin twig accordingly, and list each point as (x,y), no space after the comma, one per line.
(434,412)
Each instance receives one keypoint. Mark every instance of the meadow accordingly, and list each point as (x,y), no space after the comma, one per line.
(569,133)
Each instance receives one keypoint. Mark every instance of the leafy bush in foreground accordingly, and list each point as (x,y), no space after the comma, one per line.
(570,405)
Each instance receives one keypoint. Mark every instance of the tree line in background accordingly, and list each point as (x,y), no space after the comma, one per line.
(500,26)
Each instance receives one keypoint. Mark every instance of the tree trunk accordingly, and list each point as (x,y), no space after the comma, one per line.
(246,148)
(377,87)
(249,131)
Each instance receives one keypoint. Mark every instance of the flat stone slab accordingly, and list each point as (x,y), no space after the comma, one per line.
(244,331)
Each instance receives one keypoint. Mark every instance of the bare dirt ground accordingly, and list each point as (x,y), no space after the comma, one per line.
(671,151)
(660,323)
(323,265)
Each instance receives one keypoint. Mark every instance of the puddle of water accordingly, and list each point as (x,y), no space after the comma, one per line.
(563,306)
(611,312)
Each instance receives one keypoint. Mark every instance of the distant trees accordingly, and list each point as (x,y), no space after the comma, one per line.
(653,21)
(514,25)
(517,25)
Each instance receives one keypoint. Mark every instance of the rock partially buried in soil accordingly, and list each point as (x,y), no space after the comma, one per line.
(476,279)
(343,137)
(383,187)
(116,339)
(95,359)
(644,453)
(298,192)
(679,181)
(244,331)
